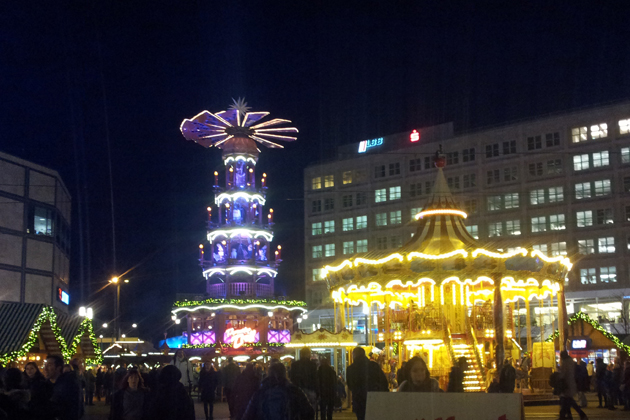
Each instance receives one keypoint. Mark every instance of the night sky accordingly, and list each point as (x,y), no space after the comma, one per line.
(76,76)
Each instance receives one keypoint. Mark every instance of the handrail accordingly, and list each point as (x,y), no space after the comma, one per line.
(448,340)
(482,369)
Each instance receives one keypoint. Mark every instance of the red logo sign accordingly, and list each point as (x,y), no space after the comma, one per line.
(414,136)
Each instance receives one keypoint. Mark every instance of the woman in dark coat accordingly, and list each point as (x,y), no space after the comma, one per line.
(245,386)
(208,381)
(171,400)
(40,390)
(130,402)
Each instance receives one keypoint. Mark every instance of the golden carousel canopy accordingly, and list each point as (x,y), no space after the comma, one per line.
(443,261)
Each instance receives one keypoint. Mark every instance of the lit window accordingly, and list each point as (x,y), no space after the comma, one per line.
(600,159)
(395,217)
(347,224)
(329,181)
(606,245)
(494,202)
(362,245)
(510,201)
(348,248)
(42,221)
(625,155)
(513,227)
(495,229)
(608,274)
(542,248)
(414,211)
(556,222)
(329,250)
(316,228)
(584,218)
(537,197)
(556,194)
(317,183)
(539,224)
(394,193)
(624,126)
(381,219)
(317,251)
(329,226)
(473,230)
(558,248)
(361,222)
(380,195)
(347,177)
(580,162)
(582,190)
(599,131)
(602,187)
(317,274)
(579,134)
(586,246)
(588,276)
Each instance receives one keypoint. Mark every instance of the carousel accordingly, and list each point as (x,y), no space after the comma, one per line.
(444,296)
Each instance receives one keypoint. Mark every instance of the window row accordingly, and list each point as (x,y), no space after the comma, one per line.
(598,275)
(598,131)
(548,167)
(592,160)
(348,248)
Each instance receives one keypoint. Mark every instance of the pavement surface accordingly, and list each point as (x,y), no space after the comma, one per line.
(100,411)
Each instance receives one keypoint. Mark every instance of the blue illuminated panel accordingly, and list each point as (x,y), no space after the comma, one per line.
(366,144)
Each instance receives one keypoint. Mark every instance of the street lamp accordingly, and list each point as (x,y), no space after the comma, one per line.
(134,325)
(105,325)
(116,281)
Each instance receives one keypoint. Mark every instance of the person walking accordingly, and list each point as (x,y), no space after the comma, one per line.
(507,378)
(40,391)
(171,400)
(14,400)
(303,374)
(90,386)
(418,377)
(364,376)
(245,386)
(278,399)
(625,385)
(600,380)
(65,402)
(229,374)
(131,401)
(181,362)
(99,383)
(582,382)
(567,373)
(326,388)
(208,381)
(108,383)
(590,368)
(456,376)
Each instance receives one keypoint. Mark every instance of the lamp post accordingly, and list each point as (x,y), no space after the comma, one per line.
(116,282)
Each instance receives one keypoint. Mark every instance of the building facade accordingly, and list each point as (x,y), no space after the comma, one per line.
(35,209)
(559,184)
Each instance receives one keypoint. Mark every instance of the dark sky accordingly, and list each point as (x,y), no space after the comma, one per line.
(74,74)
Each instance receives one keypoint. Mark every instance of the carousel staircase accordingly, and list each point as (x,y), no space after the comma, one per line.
(473,379)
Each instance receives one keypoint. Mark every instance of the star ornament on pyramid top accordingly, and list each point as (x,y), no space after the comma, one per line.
(210,129)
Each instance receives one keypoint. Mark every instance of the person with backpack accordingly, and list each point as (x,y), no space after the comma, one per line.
(364,376)
(567,373)
(278,399)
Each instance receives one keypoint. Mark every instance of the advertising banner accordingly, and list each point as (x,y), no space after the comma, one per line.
(543,355)
(444,406)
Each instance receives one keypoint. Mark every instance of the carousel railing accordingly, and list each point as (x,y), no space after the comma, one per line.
(448,340)
(475,344)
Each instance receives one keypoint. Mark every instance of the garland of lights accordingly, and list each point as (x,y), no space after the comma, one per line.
(49,314)
(596,325)
(239,302)
(228,345)
(86,326)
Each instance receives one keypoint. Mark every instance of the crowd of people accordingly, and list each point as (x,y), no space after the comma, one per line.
(270,392)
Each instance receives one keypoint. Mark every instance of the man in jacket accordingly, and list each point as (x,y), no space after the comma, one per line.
(326,388)
(567,371)
(303,374)
(66,401)
(364,376)
(229,374)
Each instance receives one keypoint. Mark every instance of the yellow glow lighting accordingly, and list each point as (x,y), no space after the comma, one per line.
(413,255)
(377,262)
(322,344)
(422,342)
(561,259)
(328,268)
(439,212)
(482,251)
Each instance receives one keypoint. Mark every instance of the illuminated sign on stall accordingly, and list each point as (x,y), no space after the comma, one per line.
(578,344)
(414,136)
(63,296)
(366,144)
(240,336)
